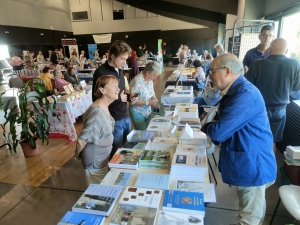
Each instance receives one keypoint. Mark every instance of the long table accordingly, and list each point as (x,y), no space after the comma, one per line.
(175,97)
(67,113)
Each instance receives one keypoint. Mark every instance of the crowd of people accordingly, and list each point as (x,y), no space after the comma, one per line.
(251,101)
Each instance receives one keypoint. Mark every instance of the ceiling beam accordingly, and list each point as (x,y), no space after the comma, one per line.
(221,6)
(175,11)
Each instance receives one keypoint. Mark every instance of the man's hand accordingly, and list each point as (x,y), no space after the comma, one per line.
(123,96)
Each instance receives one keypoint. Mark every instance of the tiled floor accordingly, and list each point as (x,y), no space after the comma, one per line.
(47,203)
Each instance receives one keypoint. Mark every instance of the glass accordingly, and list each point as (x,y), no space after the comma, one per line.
(291,33)
(213,69)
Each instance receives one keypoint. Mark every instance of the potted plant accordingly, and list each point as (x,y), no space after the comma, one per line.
(32,116)
(168,59)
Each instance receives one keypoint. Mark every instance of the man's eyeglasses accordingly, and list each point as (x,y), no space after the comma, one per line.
(212,70)
(267,36)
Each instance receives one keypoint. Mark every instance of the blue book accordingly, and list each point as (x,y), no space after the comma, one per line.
(81,218)
(153,180)
(184,202)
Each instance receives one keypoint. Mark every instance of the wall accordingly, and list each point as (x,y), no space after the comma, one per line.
(198,39)
(254,9)
(230,19)
(101,18)
(50,14)
(275,5)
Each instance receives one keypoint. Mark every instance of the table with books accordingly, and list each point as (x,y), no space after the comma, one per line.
(179,94)
(153,180)
(67,112)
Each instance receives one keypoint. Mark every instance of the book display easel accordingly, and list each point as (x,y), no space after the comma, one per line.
(159,176)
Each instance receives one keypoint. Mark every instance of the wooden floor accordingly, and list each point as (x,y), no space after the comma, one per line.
(33,171)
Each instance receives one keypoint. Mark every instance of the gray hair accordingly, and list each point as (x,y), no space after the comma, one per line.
(232,62)
(55,73)
(219,46)
(153,67)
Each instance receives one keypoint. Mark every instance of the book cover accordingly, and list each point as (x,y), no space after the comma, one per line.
(133,215)
(125,158)
(169,107)
(177,218)
(160,120)
(153,180)
(98,199)
(158,128)
(189,121)
(119,177)
(183,105)
(191,149)
(134,145)
(138,196)
(183,159)
(182,201)
(207,189)
(81,218)
(141,136)
(164,141)
(155,156)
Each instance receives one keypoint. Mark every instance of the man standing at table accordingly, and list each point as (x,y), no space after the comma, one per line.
(247,160)
(275,77)
(117,55)
(262,50)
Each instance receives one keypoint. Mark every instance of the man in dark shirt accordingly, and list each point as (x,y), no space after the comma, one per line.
(262,50)
(117,55)
(275,77)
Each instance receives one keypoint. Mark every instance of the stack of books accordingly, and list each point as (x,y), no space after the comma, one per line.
(125,158)
(180,207)
(292,155)
(161,125)
(155,159)
(98,200)
(188,166)
(186,110)
(137,206)
(81,218)
(141,136)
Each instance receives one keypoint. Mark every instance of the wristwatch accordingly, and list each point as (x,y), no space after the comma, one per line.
(146,101)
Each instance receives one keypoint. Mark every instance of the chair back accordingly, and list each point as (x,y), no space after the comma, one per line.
(210,115)
(16,82)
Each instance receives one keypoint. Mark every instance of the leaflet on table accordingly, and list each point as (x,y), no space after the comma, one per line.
(191,149)
(81,218)
(177,218)
(160,120)
(184,202)
(133,215)
(153,180)
(207,189)
(293,151)
(119,177)
(145,197)
(98,199)
(160,130)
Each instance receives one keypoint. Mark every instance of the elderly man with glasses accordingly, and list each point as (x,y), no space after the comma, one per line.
(241,125)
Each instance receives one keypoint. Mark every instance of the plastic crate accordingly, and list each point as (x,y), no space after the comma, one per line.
(284,178)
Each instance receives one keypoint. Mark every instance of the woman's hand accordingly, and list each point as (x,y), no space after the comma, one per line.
(154,103)
(123,96)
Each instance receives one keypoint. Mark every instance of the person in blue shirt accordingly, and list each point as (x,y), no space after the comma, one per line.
(262,50)
(246,160)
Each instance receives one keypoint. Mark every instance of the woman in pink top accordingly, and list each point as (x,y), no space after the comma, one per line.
(59,82)
(16,62)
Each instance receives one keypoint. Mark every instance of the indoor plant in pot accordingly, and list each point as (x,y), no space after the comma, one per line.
(168,59)
(32,116)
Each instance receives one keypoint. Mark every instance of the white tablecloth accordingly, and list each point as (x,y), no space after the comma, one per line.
(68,112)
(174,97)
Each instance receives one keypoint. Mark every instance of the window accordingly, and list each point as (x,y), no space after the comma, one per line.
(291,33)
(4,52)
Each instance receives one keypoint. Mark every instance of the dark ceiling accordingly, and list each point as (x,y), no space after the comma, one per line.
(203,12)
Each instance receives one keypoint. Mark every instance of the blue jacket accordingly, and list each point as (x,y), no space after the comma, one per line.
(242,127)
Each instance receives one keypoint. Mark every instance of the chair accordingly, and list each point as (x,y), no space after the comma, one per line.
(15,82)
(290,197)
(210,147)
(284,181)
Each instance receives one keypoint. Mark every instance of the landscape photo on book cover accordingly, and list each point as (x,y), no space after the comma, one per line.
(130,159)
(122,179)
(133,215)
(94,202)
(156,156)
